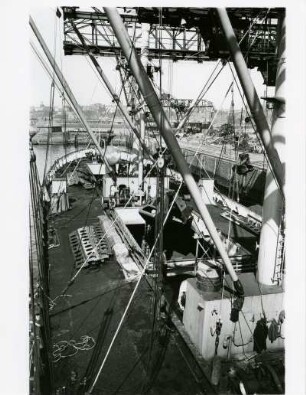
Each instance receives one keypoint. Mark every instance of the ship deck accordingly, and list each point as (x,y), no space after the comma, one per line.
(94,304)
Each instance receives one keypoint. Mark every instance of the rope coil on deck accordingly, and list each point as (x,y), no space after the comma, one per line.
(72,347)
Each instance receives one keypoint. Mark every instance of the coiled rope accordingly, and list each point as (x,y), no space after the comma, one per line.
(68,348)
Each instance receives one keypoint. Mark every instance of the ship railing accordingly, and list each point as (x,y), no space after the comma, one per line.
(68,158)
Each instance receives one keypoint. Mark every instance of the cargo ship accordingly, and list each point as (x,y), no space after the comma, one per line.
(146,278)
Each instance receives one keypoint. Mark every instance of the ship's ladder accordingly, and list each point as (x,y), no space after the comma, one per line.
(280,259)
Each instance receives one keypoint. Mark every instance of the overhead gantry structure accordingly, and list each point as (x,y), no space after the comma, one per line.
(181,34)
(248,36)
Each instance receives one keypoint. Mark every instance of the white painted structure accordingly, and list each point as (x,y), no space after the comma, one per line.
(149,186)
(204,309)
(270,238)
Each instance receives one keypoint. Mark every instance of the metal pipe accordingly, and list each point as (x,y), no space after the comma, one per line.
(111,90)
(252,98)
(273,205)
(67,90)
(166,131)
(140,153)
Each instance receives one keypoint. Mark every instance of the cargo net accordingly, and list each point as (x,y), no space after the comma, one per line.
(86,246)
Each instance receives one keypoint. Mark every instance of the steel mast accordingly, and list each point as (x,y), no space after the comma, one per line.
(252,98)
(68,91)
(271,238)
(166,131)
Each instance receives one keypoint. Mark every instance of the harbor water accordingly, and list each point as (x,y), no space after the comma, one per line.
(50,155)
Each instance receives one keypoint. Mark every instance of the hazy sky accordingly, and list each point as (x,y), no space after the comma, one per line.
(187,77)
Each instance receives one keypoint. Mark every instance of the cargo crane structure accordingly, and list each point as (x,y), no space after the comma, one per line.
(139,37)
(180,34)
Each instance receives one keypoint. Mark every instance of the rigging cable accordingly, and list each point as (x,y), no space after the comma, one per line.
(70,282)
(252,122)
(237,82)
(50,126)
(211,123)
(202,93)
(131,297)
(254,127)
(104,326)
(51,109)
(113,339)
(158,223)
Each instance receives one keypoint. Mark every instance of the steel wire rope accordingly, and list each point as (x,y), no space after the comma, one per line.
(50,125)
(224,201)
(34,340)
(156,291)
(103,237)
(101,336)
(228,123)
(34,224)
(91,66)
(51,103)
(197,151)
(49,72)
(99,80)
(62,94)
(234,176)
(67,101)
(122,284)
(112,45)
(200,96)
(35,227)
(122,85)
(158,364)
(34,201)
(252,334)
(255,130)
(202,168)
(109,41)
(45,66)
(74,277)
(240,95)
(215,187)
(95,247)
(229,287)
(127,76)
(229,228)
(212,121)
(243,36)
(248,327)
(70,282)
(202,93)
(158,361)
(130,371)
(88,145)
(242,344)
(132,295)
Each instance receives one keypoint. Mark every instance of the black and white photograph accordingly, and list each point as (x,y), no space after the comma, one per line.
(160,205)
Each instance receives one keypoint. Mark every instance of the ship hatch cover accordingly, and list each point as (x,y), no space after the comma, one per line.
(130,216)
